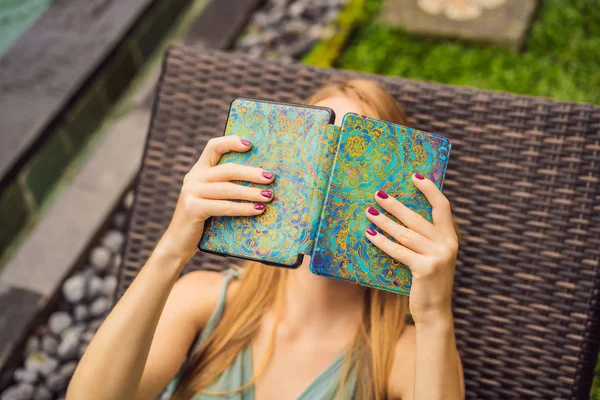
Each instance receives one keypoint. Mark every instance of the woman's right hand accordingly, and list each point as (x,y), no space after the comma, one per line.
(207,191)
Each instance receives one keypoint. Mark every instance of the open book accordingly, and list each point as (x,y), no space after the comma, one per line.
(325,178)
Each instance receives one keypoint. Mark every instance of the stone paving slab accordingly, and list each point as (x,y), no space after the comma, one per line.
(505,25)
(17,306)
(44,68)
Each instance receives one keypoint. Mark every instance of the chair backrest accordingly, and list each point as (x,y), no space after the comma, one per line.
(523,180)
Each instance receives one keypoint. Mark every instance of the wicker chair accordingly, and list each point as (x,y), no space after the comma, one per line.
(523,180)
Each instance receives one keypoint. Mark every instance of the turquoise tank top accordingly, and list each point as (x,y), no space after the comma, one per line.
(325,387)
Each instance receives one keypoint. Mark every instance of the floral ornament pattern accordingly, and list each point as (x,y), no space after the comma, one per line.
(373,155)
(459,10)
(297,144)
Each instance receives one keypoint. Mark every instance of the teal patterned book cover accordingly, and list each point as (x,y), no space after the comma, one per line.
(373,155)
(325,178)
(296,143)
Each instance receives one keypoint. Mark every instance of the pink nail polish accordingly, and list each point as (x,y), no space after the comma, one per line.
(382,195)
(372,211)
(266,193)
(259,207)
(371,231)
(267,175)
(419,176)
(246,142)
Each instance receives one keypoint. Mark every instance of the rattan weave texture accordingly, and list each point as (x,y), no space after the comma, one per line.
(523,180)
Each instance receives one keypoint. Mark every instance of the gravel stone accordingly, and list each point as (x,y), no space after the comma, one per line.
(68,369)
(56,382)
(250,40)
(301,46)
(95,324)
(24,375)
(74,330)
(21,391)
(82,348)
(59,321)
(81,313)
(109,286)
(32,345)
(42,393)
(49,344)
(296,9)
(67,349)
(87,336)
(113,240)
(119,220)
(116,264)
(128,200)
(99,307)
(48,366)
(100,258)
(95,287)
(74,288)
(292,24)
(34,362)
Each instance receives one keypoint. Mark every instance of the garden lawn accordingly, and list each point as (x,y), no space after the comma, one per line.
(560,60)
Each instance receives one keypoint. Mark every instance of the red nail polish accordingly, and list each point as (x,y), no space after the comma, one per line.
(268,175)
(259,207)
(372,211)
(266,193)
(419,176)
(246,142)
(382,195)
(371,231)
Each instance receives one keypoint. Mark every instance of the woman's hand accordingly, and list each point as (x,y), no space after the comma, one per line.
(207,190)
(428,249)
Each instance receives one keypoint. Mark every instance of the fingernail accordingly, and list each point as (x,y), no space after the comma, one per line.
(259,207)
(268,175)
(419,176)
(371,231)
(246,142)
(266,193)
(382,195)
(372,211)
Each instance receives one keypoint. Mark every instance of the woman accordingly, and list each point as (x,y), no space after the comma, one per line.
(276,333)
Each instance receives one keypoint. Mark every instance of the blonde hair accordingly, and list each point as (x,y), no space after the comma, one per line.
(261,289)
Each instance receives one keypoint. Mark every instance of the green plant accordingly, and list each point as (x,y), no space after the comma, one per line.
(325,52)
(561,58)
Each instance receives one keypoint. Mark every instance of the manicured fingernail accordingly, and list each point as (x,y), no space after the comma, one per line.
(419,176)
(382,195)
(371,231)
(266,193)
(246,142)
(372,211)
(259,207)
(268,175)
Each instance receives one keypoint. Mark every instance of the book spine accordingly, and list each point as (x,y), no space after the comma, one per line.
(328,189)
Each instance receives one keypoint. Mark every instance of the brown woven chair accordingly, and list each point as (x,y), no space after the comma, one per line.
(523,180)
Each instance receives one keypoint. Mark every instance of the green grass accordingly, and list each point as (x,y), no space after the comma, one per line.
(325,53)
(560,60)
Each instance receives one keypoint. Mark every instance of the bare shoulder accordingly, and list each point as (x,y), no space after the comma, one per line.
(198,292)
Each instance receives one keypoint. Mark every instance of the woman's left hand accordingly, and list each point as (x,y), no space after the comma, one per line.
(428,248)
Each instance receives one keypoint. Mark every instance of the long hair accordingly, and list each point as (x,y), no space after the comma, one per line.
(261,289)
